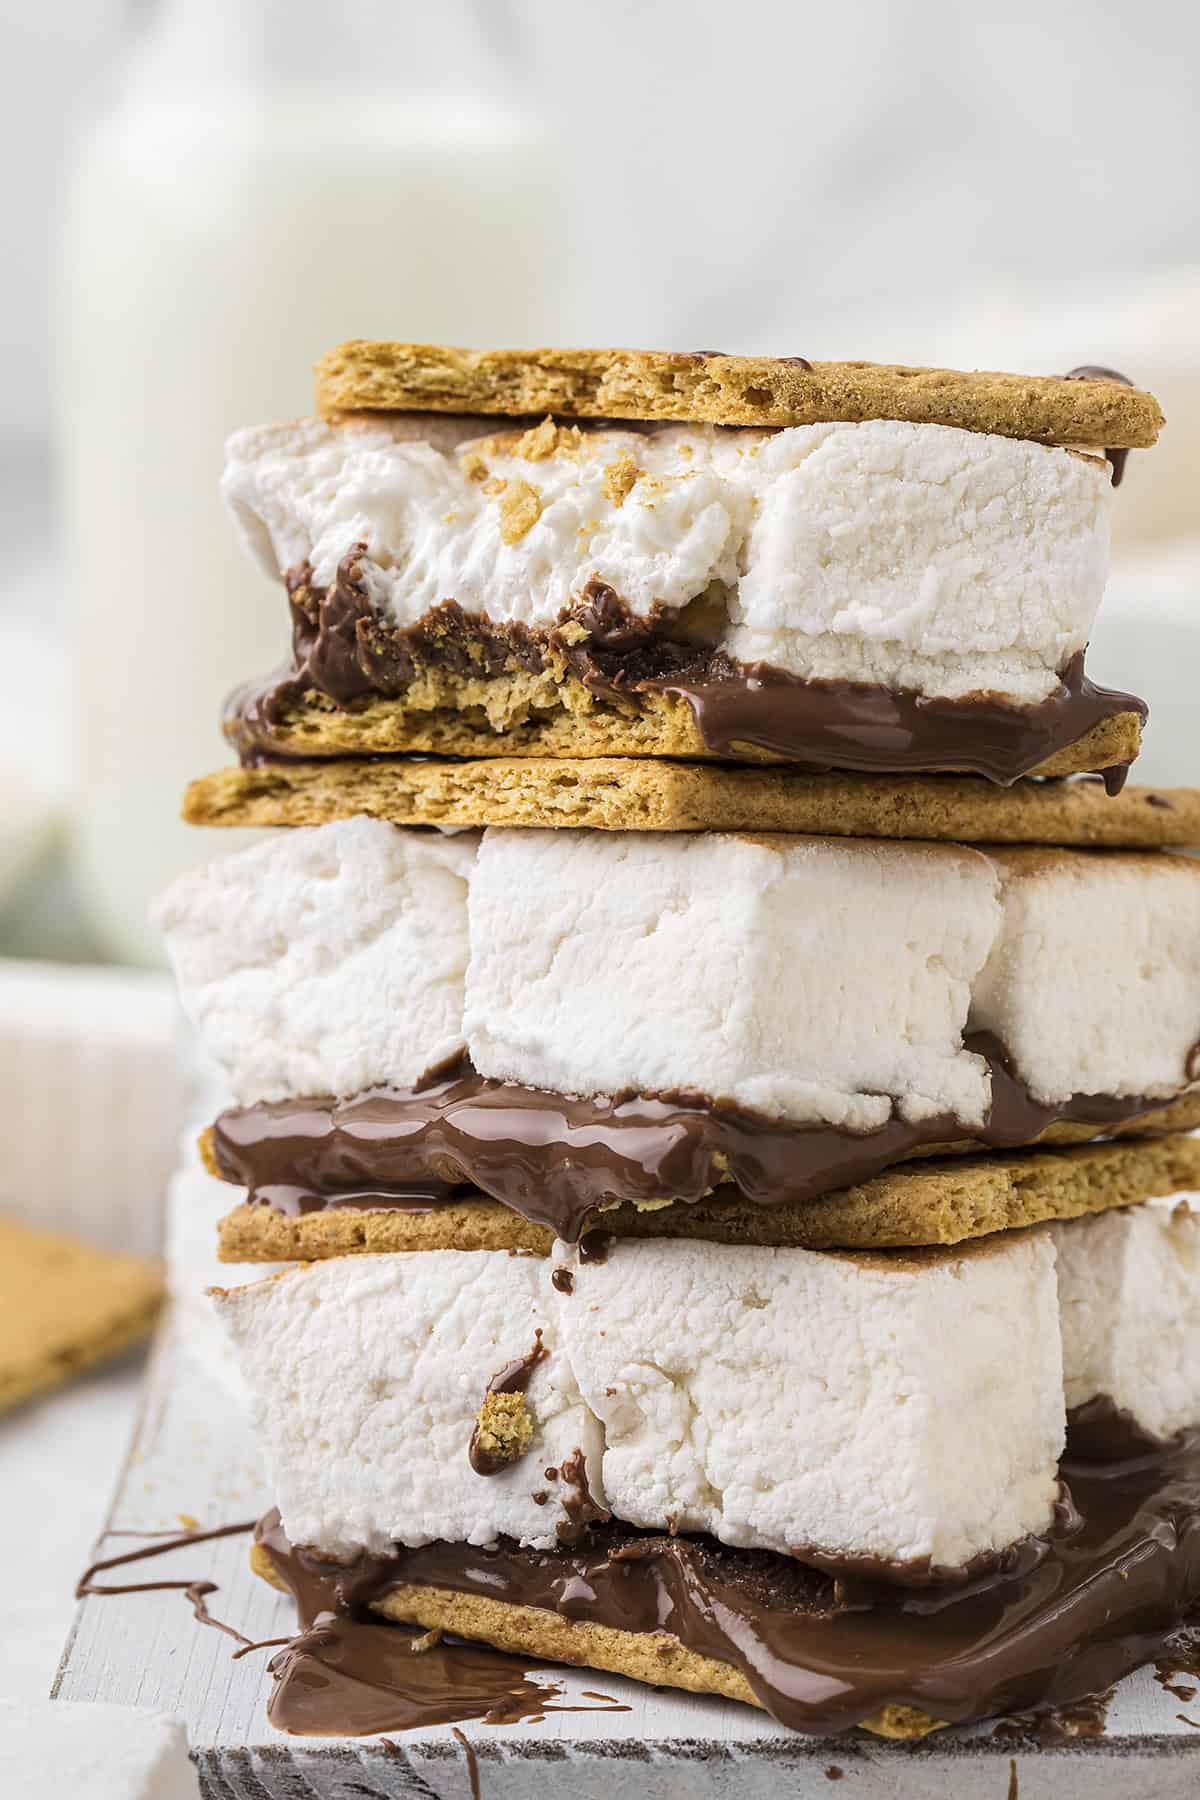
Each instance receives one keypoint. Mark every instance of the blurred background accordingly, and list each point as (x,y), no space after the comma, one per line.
(202,195)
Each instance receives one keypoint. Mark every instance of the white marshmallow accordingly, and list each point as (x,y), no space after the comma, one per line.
(809,978)
(782,1399)
(52,1749)
(1093,983)
(787,1399)
(1129,1287)
(325,960)
(822,980)
(916,556)
(367,1373)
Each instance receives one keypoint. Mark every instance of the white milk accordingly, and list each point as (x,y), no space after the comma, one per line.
(216,241)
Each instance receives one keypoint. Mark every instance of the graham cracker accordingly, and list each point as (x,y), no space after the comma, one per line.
(914,1205)
(630,794)
(64,1307)
(444,712)
(705,387)
(544,1636)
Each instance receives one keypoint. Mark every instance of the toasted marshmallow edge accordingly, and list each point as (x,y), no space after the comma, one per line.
(825,980)
(367,1374)
(916,556)
(50,1749)
(781,1399)
(325,960)
(1129,1290)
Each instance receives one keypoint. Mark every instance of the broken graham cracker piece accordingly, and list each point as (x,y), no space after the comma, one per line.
(704,387)
(914,1205)
(635,794)
(535,1632)
(64,1307)
(502,1434)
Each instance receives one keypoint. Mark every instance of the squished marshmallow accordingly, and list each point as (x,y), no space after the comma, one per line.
(808,978)
(1129,1288)
(325,960)
(786,1399)
(793,1400)
(1093,984)
(367,1374)
(917,556)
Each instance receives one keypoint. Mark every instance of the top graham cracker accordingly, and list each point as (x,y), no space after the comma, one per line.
(706,388)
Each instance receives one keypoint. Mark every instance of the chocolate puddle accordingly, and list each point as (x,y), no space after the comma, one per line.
(1105,1596)
(558,1160)
(344,649)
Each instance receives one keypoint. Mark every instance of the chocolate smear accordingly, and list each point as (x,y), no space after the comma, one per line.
(195,1591)
(558,1160)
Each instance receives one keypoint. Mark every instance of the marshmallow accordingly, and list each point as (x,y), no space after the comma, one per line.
(1093,984)
(55,1748)
(1129,1289)
(366,1375)
(792,1400)
(326,960)
(916,556)
(809,978)
(781,1399)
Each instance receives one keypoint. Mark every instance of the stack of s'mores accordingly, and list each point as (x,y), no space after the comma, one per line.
(741,1164)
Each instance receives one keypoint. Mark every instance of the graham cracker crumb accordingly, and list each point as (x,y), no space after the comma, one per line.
(520,510)
(619,478)
(503,1429)
(473,465)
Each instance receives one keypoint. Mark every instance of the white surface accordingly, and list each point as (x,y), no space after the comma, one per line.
(367,1373)
(1131,1310)
(89,1751)
(784,1398)
(59,1461)
(192,1455)
(1147,637)
(325,960)
(918,556)
(88,1068)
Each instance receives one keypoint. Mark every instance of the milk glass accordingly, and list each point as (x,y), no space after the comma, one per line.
(271,177)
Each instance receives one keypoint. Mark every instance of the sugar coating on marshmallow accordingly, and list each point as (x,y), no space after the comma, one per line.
(1129,1292)
(793,1400)
(1093,983)
(810,979)
(85,1750)
(367,1374)
(325,960)
(918,556)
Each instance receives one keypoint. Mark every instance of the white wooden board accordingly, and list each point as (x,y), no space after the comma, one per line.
(192,1454)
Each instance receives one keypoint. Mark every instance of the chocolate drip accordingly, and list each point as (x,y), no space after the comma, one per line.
(194,1591)
(580,1505)
(343,649)
(1106,1595)
(513,1378)
(557,1160)
(1100,1431)
(1094,372)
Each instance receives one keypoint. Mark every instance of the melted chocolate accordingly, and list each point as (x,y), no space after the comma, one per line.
(194,1591)
(1107,1594)
(343,650)
(557,1160)
(513,1378)
(1101,1431)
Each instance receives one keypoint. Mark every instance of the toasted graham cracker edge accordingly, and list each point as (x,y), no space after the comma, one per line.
(535,1632)
(96,1305)
(708,388)
(615,794)
(913,1206)
(552,714)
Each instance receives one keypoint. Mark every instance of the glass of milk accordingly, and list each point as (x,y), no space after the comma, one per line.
(272,177)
